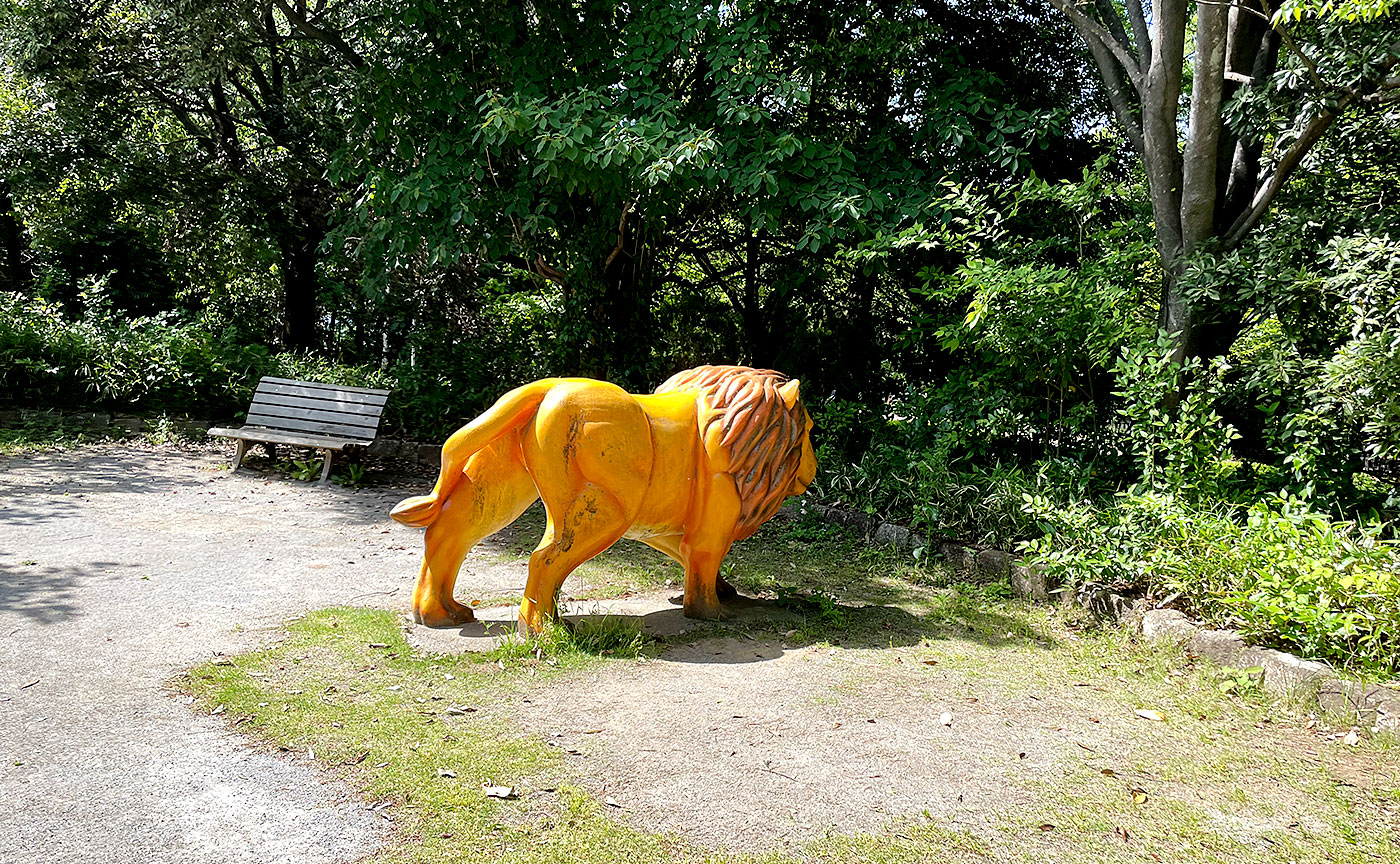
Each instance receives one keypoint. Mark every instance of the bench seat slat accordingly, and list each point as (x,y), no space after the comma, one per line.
(278,436)
(334,430)
(377,397)
(318,385)
(295,413)
(316,406)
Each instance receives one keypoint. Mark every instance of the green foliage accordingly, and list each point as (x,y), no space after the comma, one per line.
(1276,570)
(353,476)
(1170,417)
(821,607)
(1241,682)
(305,470)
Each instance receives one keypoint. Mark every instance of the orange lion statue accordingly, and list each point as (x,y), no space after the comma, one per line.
(688,470)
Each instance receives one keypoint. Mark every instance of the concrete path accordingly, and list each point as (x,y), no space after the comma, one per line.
(118,569)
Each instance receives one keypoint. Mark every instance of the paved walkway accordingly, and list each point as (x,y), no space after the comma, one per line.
(118,569)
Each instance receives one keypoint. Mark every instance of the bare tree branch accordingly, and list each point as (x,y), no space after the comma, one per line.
(1088,26)
(1285,168)
(1311,133)
(1161,91)
(1109,17)
(1119,95)
(1141,37)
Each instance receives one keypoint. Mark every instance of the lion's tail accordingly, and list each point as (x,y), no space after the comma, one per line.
(509,413)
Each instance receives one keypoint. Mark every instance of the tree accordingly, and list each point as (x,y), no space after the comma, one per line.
(613,153)
(234,95)
(1265,85)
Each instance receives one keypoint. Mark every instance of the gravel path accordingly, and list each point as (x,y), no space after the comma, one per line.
(118,569)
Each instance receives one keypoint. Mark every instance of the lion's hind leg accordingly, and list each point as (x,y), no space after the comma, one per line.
(495,491)
(580,530)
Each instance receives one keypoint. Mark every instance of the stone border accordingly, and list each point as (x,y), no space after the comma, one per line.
(100,421)
(1284,674)
(974,563)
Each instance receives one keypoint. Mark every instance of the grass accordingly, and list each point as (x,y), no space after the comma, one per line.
(50,430)
(1229,775)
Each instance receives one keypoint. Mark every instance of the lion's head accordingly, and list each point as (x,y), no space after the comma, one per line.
(763,425)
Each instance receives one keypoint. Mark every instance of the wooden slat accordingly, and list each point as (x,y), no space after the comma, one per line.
(276,436)
(336,430)
(323,385)
(341,394)
(305,404)
(370,421)
(271,416)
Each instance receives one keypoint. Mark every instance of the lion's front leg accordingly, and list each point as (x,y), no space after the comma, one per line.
(705,544)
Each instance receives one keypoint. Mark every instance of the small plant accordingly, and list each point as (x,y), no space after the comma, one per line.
(302,469)
(353,477)
(817,604)
(1241,682)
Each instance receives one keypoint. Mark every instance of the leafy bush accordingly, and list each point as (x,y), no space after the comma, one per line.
(1278,570)
(151,364)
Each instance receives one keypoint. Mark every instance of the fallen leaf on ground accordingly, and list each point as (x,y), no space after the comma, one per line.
(446,772)
(1149,714)
(946,719)
(1139,796)
(455,710)
(1351,738)
(1046,826)
(611,802)
(502,792)
(930,662)
(30,684)
(1109,772)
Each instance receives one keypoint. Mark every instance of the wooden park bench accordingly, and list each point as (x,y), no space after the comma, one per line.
(324,417)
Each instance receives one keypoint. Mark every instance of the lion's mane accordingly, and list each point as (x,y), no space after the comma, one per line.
(763,435)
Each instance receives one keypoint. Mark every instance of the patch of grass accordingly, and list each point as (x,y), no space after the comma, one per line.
(46,431)
(1228,776)
(424,734)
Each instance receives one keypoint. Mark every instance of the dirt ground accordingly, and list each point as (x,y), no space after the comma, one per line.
(121,567)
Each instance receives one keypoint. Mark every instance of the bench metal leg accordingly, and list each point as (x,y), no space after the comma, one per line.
(326,469)
(240,450)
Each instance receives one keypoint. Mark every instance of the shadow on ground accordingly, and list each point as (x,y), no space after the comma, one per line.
(49,594)
(753,630)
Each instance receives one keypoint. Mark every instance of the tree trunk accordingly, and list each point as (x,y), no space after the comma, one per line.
(14,270)
(626,306)
(300,287)
(299,231)
(754,316)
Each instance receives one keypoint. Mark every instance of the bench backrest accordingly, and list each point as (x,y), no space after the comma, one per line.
(317,409)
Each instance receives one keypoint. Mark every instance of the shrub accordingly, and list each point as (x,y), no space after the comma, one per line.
(1278,570)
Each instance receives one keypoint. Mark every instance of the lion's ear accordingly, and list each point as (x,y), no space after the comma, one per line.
(789,393)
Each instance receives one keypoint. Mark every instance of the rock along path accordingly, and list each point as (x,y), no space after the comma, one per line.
(118,569)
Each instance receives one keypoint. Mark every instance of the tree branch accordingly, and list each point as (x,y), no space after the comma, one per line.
(1108,15)
(1087,26)
(1314,130)
(319,34)
(1119,96)
(1141,36)
(1198,180)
